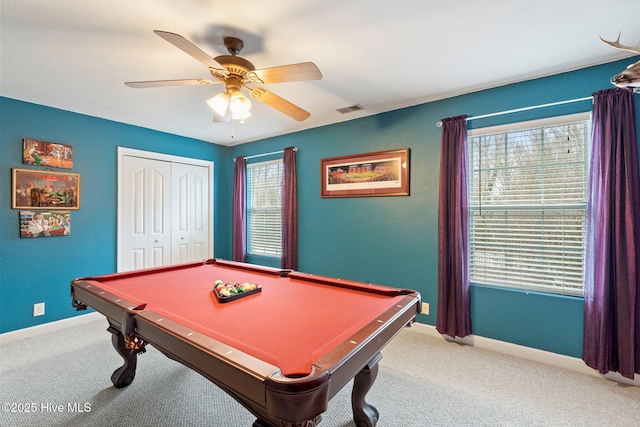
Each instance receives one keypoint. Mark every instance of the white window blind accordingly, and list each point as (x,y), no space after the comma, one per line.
(264,228)
(528,188)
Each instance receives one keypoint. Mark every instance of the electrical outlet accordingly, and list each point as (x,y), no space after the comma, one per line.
(38,309)
(425,308)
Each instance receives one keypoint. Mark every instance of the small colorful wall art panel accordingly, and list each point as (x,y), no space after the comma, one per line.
(45,223)
(43,153)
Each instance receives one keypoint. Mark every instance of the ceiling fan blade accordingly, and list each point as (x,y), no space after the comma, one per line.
(193,50)
(280,104)
(285,73)
(161,83)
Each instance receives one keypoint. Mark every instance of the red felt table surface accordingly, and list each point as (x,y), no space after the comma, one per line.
(290,324)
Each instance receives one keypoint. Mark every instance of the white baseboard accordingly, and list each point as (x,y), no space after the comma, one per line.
(533,354)
(34,331)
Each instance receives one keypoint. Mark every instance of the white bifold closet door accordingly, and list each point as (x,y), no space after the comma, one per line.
(165,213)
(189,213)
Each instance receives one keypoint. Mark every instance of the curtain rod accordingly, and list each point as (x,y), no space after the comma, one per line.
(266,154)
(517,110)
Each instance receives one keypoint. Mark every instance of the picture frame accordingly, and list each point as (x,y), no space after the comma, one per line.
(45,153)
(43,223)
(44,189)
(381,173)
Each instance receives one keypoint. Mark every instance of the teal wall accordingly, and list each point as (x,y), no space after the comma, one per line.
(385,240)
(393,240)
(39,270)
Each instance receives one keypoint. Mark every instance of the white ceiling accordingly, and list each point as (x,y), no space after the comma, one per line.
(381,54)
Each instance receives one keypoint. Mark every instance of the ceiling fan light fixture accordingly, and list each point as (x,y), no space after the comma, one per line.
(217,118)
(219,103)
(241,117)
(239,105)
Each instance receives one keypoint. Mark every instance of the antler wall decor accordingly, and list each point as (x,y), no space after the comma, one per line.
(631,76)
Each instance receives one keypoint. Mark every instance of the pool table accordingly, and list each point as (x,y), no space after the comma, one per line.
(282,351)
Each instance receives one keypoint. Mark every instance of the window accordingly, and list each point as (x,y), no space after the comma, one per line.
(264,187)
(528,187)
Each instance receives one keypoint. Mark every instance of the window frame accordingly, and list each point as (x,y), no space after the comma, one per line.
(491,279)
(274,251)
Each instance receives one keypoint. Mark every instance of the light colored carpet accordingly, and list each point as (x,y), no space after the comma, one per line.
(423,381)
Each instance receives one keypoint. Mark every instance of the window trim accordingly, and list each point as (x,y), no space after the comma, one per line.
(514,127)
(249,166)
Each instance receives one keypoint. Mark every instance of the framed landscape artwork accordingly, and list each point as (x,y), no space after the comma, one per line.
(41,189)
(383,173)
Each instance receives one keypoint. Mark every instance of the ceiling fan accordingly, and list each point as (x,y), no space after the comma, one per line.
(236,73)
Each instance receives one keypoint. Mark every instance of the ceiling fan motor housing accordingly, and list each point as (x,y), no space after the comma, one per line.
(235,64)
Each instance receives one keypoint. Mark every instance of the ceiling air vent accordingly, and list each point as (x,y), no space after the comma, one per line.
(350,109)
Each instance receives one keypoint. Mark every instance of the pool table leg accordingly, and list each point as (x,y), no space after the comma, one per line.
(365,415)
(124,375)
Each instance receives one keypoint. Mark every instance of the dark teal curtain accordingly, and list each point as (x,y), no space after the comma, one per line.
(454,306)
(612,292)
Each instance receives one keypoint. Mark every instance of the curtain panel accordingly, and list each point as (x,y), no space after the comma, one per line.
(239,220)
(289,211)
(454,307)
(611,297)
